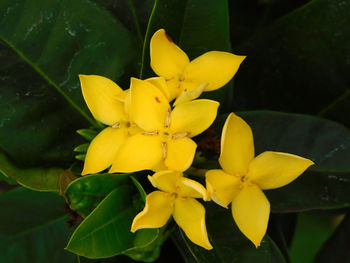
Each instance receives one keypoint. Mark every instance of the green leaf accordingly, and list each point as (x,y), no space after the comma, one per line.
(133,14)
(85,193)
(8,180)
(88,134)
(299,57)
(39,179)
(44,47)
(336,249)
(311,232)
(229,244)
(32,228)
(106,231)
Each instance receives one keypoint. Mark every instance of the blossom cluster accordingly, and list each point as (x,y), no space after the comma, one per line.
(150,126)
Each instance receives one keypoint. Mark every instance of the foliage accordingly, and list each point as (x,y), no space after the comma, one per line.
(292,89)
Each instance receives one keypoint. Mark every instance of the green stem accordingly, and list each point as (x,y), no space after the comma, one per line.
(334,103)
(136,20)
(147,37)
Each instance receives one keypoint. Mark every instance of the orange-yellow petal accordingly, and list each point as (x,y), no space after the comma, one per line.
(156,213)
(237,146)
(103,150)
(165,180)
(167,59)
(101,96)
(193,117)
(215,67)
(149,107)
(139,152)
(275,169)
(251,210)
(222,187)
(190,188)
(189,214)
(180,154)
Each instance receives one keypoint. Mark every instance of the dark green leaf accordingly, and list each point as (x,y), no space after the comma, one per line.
(336,249)
(82,148)
(133,14)
(229,244)
(85,193)
(53,43)
(32,228)
(311,232)
(106,231)
(88,134)
(301,56)
(39,179)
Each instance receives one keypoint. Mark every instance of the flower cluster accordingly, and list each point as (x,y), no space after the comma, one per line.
(146,132)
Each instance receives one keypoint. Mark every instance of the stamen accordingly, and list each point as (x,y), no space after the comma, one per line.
(164,150)
(167,119)
(151,133)
(116,125)
(180,135)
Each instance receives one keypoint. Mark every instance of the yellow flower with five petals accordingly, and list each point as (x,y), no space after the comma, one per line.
(243,177)
(186,79)
(101,96)
(176,198)
(165,140)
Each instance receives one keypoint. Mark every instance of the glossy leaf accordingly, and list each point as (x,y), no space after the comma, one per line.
(44,48)
(106,231)
(32,228)
(85,193)
(39,179)
(229,243)
(300,56)
(336,249)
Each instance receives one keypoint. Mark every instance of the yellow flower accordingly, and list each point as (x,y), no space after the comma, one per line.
(101,96)
(176,198)
(187,80)
(165,140)
(243,177)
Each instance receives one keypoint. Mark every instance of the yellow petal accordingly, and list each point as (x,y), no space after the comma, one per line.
(189,94)
(271,170)
(149,107)
(139,152)
(251,210)
(103,150)
(160,83)
(165,180)
(101,96)
(237,146)
(156,213)
(180,154)
(190,188)
(167,59)
(189,214)
(222,187)
(174,88)
(193,117)
(214,67)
